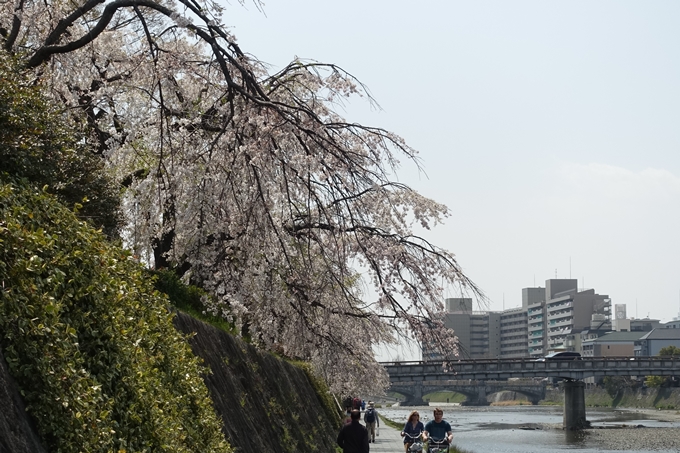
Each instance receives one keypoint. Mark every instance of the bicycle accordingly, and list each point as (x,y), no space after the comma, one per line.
(416,443)
(438,445)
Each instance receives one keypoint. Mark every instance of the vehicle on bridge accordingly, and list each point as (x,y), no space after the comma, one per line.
(562,355)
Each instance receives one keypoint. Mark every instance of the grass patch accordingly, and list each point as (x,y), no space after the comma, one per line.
(396,395)
(444,397)
(511,403)
(391,423)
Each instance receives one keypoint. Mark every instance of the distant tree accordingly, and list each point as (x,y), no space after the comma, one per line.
(670,350)
(655,381)
(661,381)
(614,385)
(247,183)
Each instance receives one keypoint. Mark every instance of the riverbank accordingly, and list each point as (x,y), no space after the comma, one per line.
(639,437)
(649,398)
(637,430)
(632,439)
(632,436)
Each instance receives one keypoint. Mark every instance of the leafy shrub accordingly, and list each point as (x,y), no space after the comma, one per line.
(185,297)
(90,342)
(655,381)
(188,298)
(661,381)
(669,350)
(38,144)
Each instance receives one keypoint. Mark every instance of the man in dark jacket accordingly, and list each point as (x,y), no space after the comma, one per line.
(353,437)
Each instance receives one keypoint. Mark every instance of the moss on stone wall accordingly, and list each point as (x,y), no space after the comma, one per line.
(267,404)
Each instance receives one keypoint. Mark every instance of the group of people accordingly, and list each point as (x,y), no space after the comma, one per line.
(354,437)
(351,403)
(438,430)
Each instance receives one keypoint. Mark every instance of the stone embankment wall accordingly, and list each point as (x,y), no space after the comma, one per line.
(267,404)
(663,398)
(17,432)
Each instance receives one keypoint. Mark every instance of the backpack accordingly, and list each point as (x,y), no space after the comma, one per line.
(370,415)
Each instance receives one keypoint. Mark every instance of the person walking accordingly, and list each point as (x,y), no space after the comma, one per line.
(347,402)
(353,437)
(438,429)
(412,430)
(372,421)
(356,403)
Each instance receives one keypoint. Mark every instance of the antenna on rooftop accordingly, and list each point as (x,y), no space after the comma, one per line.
(570,268)
(555,272)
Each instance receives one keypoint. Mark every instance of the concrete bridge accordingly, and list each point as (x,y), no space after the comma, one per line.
(421,377)
(475,391)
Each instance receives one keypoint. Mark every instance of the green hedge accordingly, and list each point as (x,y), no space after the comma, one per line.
(38,143)
(90,342)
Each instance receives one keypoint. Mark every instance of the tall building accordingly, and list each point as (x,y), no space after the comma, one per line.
(458,305)
(533,300)
(562,311)
(478,332)
(551,318)
(513,336)
(569,310)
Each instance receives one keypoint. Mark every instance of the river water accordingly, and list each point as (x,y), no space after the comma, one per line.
(504,429)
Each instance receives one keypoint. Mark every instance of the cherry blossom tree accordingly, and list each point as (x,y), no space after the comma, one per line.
(245,182)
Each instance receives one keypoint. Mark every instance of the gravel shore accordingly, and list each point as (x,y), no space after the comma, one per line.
(632,437)
(636,438)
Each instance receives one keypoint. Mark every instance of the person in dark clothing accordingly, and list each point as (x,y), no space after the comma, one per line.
(356,403)
(348,404)
(353,437)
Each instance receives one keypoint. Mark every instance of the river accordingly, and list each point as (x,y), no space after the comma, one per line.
(507,429)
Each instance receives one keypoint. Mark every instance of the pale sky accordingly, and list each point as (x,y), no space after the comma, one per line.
(550,129)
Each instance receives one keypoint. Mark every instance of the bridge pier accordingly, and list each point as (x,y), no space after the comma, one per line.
(417,397)
(574,406)
(481,395)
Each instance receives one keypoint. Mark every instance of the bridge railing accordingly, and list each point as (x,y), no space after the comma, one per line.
(531,368)
(635,360)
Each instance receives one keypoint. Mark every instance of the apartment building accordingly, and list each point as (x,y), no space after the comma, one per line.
(478,332)
(551,318)
(559,312)
(533,300)
(513,335)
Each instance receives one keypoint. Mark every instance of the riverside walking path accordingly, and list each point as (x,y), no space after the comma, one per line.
(388,440)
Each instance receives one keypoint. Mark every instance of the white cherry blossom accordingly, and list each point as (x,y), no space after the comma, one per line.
(249,184)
